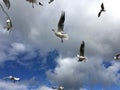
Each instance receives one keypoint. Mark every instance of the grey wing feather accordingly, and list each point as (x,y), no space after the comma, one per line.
(82,49)
(61,22)
(7,3)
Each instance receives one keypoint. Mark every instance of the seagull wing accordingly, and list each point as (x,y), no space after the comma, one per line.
(32,1)
(99,13)
(17,79)
(50,1)
(7,3)
(40,4)
(61,22)
(82,49)
(102,6)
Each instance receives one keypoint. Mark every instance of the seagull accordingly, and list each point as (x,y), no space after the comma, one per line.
(81,56)
(59,88)
(34,1)
(59,33)
(8,24)
(8,21)
(50,1)
(12,78)
(7,3)
(102,10)
(117,57)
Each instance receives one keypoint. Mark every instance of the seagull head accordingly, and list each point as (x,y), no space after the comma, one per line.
(115,57)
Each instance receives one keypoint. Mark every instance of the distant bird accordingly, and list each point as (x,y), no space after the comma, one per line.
(117,57)
(34,2)
(8,24)
(7,3)
(14,79)
(59,88)
(59,33)
(50,1)
(102,10)
(81,56)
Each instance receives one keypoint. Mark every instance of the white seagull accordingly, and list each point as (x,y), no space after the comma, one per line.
(59,88)
(117,57)
(50,1)
(81,56)
(102,10)
(7,3)
(12,78)
(59,33)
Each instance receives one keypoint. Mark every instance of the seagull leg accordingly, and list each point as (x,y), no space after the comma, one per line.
(61,40)
(32,5)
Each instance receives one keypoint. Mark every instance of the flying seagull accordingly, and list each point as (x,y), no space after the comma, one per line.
(8,21)
(102,10)
(117,57)
(59,33)
(34,2)
(81,56)
(59,88)
(7,3)
(50,1)
(8,24)
(12,78)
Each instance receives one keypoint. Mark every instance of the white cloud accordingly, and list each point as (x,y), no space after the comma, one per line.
(73,74)
(18,47)
(11,86)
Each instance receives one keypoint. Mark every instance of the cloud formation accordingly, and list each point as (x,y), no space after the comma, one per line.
(75,75)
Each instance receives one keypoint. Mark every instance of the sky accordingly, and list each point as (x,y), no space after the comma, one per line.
(32,52)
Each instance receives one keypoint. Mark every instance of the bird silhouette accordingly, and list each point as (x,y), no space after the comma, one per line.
(102,10)
(59,33)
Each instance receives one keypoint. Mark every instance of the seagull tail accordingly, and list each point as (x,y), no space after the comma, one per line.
(66,36)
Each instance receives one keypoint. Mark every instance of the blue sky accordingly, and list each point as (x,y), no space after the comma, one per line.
(33,53)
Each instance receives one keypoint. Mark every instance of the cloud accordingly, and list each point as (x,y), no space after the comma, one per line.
(11,86)
(75,75)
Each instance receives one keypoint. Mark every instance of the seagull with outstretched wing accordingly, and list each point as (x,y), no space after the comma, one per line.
(102,10)
(7,3)
(59,88)
(81,56)
(59,33)
(12,78)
